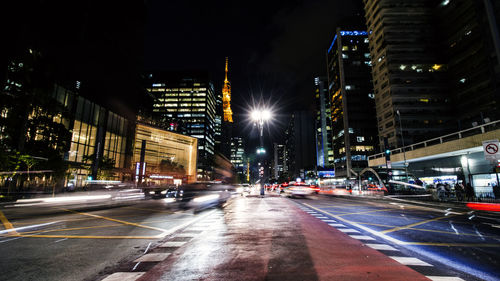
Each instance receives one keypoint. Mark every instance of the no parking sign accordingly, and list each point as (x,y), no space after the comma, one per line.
(491,150)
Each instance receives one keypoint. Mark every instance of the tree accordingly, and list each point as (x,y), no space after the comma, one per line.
(105,166)
(169,166)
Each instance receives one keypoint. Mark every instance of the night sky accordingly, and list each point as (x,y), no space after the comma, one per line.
(275,48)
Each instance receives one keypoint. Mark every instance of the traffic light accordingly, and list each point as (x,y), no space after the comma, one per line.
(387,150)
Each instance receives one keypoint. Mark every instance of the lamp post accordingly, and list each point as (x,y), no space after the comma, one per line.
(403,143)
(259,117)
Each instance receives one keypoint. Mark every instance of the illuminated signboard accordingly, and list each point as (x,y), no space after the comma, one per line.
(326,174)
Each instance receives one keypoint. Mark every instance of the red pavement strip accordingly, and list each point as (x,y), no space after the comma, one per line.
(333,254)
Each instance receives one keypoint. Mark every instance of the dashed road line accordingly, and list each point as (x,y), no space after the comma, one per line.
(381,247)
(444,278)
(172,244)
(348,230)
(124,276)
(410,261)
(154,257)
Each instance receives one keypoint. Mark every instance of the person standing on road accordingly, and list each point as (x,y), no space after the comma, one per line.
(469,192)
(459,191)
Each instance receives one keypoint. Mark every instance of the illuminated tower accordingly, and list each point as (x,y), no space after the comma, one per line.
(226,99)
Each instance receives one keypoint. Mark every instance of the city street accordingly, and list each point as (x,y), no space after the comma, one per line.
(252,238)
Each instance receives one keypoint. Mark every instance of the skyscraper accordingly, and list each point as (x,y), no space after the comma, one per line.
(279,156)
(299,135)
(353,120)
(238,154)
(469,34)
(185,102)
(407,75)
(324,151)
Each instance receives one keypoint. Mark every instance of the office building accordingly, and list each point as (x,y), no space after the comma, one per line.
(408,76)
(300,154)
(352,109)
(469,33)
(185,102)
(279,156)
(324,151)
(238,154)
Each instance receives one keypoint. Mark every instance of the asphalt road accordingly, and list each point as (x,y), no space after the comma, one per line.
(455,240)
(67,242)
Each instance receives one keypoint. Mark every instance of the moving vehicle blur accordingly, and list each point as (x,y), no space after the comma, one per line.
(299,189)
(202,195)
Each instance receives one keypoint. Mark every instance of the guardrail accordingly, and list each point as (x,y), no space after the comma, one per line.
(480,129)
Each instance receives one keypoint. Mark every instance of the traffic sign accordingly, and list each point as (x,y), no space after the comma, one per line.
(491,150)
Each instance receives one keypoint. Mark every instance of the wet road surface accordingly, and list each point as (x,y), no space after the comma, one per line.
(252,238)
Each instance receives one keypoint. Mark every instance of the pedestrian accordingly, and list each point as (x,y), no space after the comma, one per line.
(262,188)
(469,192)
(459,190)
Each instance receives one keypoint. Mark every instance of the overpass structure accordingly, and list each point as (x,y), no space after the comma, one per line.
(454,156)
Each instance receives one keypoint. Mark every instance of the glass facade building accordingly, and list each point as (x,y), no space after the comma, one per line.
(238,154)
(186,103)
(324,151)
(352,103)
(96,134)
(167,155)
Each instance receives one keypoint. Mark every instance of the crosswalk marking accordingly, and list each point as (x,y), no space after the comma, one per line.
(348,230)
(336,225)
(410,261)
(444,278)
(382,247)
(362,237)
(153,257)
(172,244)
(124,276)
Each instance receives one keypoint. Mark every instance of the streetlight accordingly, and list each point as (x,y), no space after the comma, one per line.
(403,143)
(259,116)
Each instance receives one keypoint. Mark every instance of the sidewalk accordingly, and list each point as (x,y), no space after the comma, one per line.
(272,239)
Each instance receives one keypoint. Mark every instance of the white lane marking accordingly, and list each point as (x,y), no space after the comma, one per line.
(336,225)
(3,241)
(361,237)
(173,244)
(369,230)
(410,261)
(181,226)
(348,230)
(147,248)
(60,240)
(454,229)
(478,233)
(19,229)
(135,266)
(445,278)
(382,247)
(153,257)
(124,276)
(187,235)
(329,220)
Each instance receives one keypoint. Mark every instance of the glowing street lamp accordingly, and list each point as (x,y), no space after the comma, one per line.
(260,116)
